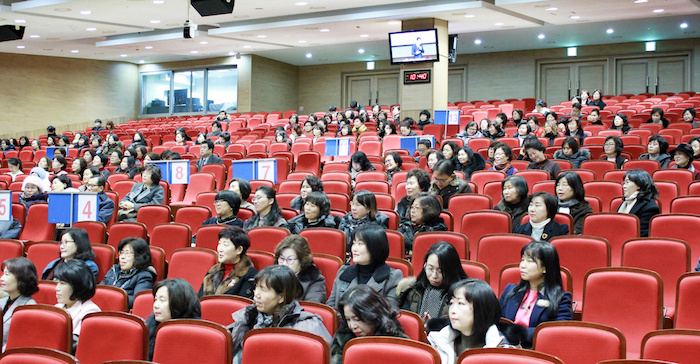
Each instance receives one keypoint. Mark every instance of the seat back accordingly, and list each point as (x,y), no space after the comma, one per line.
(605,190)
(506,356)
(99,331)
(615,227)
(40,325)
(477,224)
(677,346)
(96,230)
(11,248)
(483,177)
(193,216)
(388,350)
(608,295)
(327,313)
(122,230)
(218,308)
(110,298)
(105,256)
(329,266)
(33,355)
(326,241)
(678,226)
(422,242)
(681,176)
(171,236)
(268,345)
(687,295)
(397,243)
(577,342)
(498,250)
(37,228)
(533,176)
(412,325)
(182,340)
(266,238)
(260,258)
(199,182)
(467,202)
(191,264)
(152,215)
(143,304)
(42,253)
(476,270)
(208,236)
(46,293)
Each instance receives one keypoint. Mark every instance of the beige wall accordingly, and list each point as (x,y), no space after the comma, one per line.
(275,87)
(67,93)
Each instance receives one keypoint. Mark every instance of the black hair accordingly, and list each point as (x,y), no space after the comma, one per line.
(183,300)
(554,115)
(275,212)
(94,170)
(372,309)
(15,162)
(444,166)
(82,243)
(50,129)
(238,237)
(453,145)
(320,199)
(243,186)
(691,110)
(520,184)
(576,105)
(397,159)
(63,179)
(550,202)
(625,123)
(217,124)
(618,144)
(506,150)
(209,144)
(25,273)
(487,310)
(431,207)
(534,144)
(142,252)
(155,173)
(375,240)
(643,180)
(663,143)
(502,116)
(103,159)
(78,275)
(367,199)
(425,112)
(545,255)
(301,248)
(231,198)
(362,160)
(282,280)
(572,143)
(422,177)
(470,153)
(438,155)
(130,162)
(527,126)
(574,181)
(450,265)
(425,142)
(314,182)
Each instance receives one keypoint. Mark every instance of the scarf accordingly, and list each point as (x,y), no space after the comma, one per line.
(565,206)
(502,167)
(629,202)
(538,228)
(432,298)
(263,320)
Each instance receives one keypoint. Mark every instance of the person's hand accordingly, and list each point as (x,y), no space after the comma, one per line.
(426,317)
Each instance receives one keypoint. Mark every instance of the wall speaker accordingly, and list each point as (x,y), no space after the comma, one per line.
(11,32)
(213,7)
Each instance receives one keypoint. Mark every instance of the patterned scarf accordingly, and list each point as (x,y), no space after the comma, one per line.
(263,320)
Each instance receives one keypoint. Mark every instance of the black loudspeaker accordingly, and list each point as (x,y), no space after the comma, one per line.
(11,32)
(213,7)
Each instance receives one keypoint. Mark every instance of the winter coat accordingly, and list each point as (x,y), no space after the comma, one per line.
(242,274)
(477,163)
(50,267)
(410,297)
(348,224)
(299,223)
(663,159)
(444,342)
(579,212)
(576,159)
(132,281)
(516,211)
(31,200)
(456,186)
(409,230)
(403,209)
(551,230)
(314,284)
(342,336)
(7,315)
(384,280)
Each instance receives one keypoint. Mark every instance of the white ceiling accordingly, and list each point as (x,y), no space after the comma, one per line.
(332,31)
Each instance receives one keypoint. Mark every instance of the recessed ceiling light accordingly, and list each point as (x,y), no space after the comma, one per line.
(231,53)
(262,36)
(552,9)
(301,3)
(158,2)
(641,1)
(141,61)
(85,12)
(203,42)
(498,24)
(302,41)
(309,55)
(684,25)
(20,47)
(123,55)
(324,30)
(90,29)
(247,46)
(155,21)
(657,11)
(194,52)
(364,35)
(477,41)
(34,36)
(575,17)
(610,31)
(20,21)
(360,51)
(74,51)
(469,15)
(541,36)
(148,47)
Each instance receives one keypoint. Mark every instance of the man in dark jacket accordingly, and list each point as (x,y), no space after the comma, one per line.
(106,205)
(446,183)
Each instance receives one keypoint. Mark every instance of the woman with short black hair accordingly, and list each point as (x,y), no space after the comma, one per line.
(309,184)
(425,216)
(621,123)
(134,272)
(363,210)
(268,211)
(172,299)
(393,163)
(417,181)
(613,150)
(74,290)
(571,151)
(317,213)
(148,192)
(542,207)
(514,200)
(572,198)
(469,162)
(75,244)
(234,272)
(640,195)
(294,252)
(657,149)
(19,282)
(243,189)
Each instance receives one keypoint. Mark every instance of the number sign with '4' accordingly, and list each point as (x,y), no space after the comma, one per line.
(70,207)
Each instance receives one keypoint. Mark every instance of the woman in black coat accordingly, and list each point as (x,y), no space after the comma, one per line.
(640,198)
(134,272)
(469,162)
(542,208)
(572,198)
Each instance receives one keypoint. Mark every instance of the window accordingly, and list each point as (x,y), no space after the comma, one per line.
(220,93)
(155,88)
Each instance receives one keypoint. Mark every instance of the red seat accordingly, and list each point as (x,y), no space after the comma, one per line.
(104,258)
(678,226)
(266,238)
(506,356)
(122,230)
(261,259)
(33,355)
(219,172)
(37,228)
(99,332)
(218,308)
(498,250)
(650,166)
(576,342)
(326,241)
(373,186)
(191,264)
(477,224)
(335,186)
(327,313)
(329,266)
(42,253)
(199,182)
(42,326)
(115,177)
(388,350)
(370,176)
(339,201)
(46,293)
(476,270)
(492,189)
(615,227)
(687,295)
(599,167)
(170,237)
(110,298)
(193,216)
(544,186)
(270,344)
(422,242)
(307,160)
(462,203)
(401,264)
(143,304)
(11,248)
(683,177)
(412,325)
(122,187)
(611,292)
(533,176)
(483,177)
(96,230)
(385,201)
(605,190)
(397,243)
(677,346)
(182,341)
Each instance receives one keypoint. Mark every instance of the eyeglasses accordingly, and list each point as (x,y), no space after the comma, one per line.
(430,270)
(90,185)
(64,242)
(289,261)
(126,253)
(609,144)
(416,208)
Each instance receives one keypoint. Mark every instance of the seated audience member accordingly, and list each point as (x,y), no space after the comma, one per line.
(148,192)
(316,213)
(425,216)
(433,157)
(550,131)
(613,150)
(106,205)
(33,191)
(359,163)
(640,195)
(424,119)
(542,208)
(215,130)
(474,321)
(449,151)
(15,166)
(62,183)
(370,249)
(573,129)
(514,198)
(446,183)
(571,151)
(115,159)
(469,162)
(75,288)
(689,117)
(364,313)
(495,130)
(268,211)
(97,127)
(535,150)
(426,294)
(128,166)
(100,161)
(695,144)
(59,165)
(424,147)
(206,149)
(534,124)
(523,131)
(242,188)
(276,305)
(502,156)
(597,96)
(75,244)
(234,272)
(594,117)
(392,164)
(133,273)
(359,126)
(539,296)
(294,252)
(540,107)
(309,184)
(683,156)
(572,198)
(417,181)
(620,122)
(405,129)
(657,151)
(657,117)
(172,299)
(363,210)
(19,281)
(470,131)
(502,119)
(227,204)
(575,110)
(112,144)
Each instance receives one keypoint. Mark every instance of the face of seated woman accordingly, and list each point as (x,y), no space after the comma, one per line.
(461,313)
(360,254)
(358,327)
(564,191)
(63,293)
(537,210)
(161,305)
(266,299)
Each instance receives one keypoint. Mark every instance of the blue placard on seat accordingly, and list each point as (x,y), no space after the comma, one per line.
(410,143)
(263,169)
(337,147)
(175,172)
(446,117)
(70,207)
(51,150)
(5,205)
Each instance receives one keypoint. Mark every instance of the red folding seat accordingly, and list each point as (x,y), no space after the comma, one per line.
(678,226)
(401,264)
(110,298)
(677,346)
(191,264)
(261,259)
(105,256)
(483,177)
(218,308)
(498,250)
(171,237)
(182,341)
(329,266)
(40,325)
(96,230)
(476,224)
(476,270)
(126,229)
(34,355)
(616,228)
(463,203)
(199,182)
(577,342)
(422,242)
(326,241)
(193,216)
(683,177)
(388,350)
(11,248)
(270,344)
(37,228)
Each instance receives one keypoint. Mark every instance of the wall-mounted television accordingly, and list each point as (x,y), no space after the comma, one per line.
(413,46)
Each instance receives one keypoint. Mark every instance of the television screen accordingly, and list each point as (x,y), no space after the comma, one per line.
(413,46)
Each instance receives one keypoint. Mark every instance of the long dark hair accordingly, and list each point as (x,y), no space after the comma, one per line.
(643,180)
(574,181)
(487,310)
(82,242)
(275,211)
(371,308)
(545,254)
(362,160)
(450,265)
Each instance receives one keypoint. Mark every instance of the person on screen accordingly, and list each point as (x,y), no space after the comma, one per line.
(417,49)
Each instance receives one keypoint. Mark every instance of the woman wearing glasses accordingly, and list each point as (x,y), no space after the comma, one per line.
(134,272)
(294,252)
(234,272)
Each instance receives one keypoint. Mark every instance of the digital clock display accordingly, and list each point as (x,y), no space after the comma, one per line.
(413,77)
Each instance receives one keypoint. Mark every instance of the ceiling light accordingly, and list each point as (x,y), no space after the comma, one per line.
(324,30)
(158,2)
(148,47)
(477,41)
(684,25)
(203,42)
(370,65)
(309,55)
(571,52)
(641,1)
(123,55)
(364,35)
(194,52)
(610,31)
(498,24)
(650,46)
(302,41)
(394,22)
(301,3)
(541,36)
(20,47)
(34,36)
(85,12)
(20,21)
(247,46)
(231,53)
(155,21)
(90,29)
(141,61)
(262,36)
(552,9)
(575,17)
(657,11)
(74,51)
(360,51)
(469,15)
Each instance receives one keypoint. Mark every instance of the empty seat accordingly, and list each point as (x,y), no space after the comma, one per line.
(388,350)
(100,330)
(191,264)
(268,345)
(577,342)
(183,341)
(42,326)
